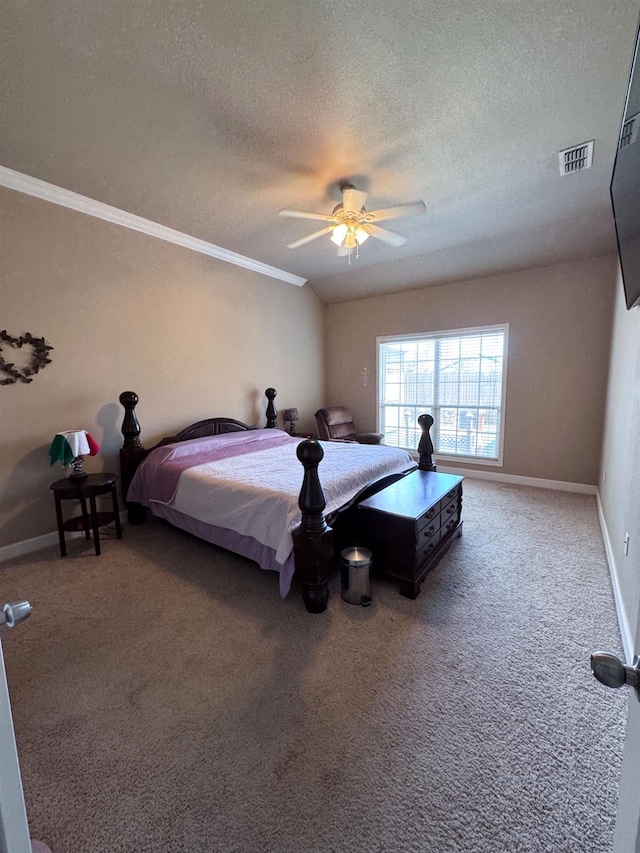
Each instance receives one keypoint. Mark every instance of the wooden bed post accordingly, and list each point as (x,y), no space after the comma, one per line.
(130,426)
(131,454)
(313,539)
(272,412)
(425,447)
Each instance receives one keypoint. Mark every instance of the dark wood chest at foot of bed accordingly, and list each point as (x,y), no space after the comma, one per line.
(409,525)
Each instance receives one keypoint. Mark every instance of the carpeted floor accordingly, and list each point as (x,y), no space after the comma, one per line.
(166,699)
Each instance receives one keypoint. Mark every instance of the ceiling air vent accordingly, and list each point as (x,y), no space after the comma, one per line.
(576,159)
(630,131)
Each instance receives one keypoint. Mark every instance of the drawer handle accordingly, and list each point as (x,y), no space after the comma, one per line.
(429,531)
(450,509)
(451,523)
(429,514)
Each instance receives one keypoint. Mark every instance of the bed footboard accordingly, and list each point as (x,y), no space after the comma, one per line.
(313,539)
(317,543)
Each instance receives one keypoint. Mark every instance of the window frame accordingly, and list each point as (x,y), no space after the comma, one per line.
(471,330)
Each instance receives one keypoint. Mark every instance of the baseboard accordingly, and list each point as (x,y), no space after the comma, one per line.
(516,480)
(623,621)
(28,546)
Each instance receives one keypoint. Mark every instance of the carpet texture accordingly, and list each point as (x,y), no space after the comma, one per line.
(166,699)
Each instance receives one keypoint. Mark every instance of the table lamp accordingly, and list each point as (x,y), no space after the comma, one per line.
(290,416)
(70,447)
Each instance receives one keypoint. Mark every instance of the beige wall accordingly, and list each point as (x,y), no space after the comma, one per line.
(620,491)
(559,336)
(194,337)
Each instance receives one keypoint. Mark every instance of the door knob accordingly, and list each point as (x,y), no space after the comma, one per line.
(14,612)
(610,671)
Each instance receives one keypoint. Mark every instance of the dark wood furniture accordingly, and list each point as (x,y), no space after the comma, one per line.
(314,547)
(410,524)
(86,488)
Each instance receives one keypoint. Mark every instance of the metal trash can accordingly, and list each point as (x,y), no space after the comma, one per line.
(356,586)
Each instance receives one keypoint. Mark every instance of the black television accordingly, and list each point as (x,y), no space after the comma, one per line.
(625,187)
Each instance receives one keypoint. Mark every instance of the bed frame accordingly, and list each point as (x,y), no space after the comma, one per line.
(314,546)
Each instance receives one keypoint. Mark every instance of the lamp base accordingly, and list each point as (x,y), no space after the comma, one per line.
(76,468)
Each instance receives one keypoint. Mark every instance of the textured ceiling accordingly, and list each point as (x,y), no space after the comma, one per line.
(209,117)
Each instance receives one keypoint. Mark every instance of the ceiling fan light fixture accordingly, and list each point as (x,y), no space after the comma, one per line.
(339,233)
(361,235)
(348,235)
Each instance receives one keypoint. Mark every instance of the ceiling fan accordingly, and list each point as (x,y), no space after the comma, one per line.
(350,224)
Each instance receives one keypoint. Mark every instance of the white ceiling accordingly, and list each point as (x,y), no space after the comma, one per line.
(209,117)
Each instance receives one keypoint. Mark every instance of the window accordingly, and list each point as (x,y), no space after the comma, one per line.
(458,378)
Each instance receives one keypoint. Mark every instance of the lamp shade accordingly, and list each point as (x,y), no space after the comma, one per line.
(290,415)
(70,444)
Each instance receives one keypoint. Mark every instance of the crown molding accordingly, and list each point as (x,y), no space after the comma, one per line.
(66,198)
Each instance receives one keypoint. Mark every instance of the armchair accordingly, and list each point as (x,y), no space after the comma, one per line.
(335,423)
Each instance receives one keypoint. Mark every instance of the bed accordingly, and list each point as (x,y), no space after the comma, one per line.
(241,487)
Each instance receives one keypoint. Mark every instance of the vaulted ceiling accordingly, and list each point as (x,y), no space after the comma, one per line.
(209,117)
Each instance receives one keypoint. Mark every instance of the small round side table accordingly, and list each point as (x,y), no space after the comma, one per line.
(81,488)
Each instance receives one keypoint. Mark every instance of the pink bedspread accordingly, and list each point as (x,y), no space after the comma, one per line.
(157,479)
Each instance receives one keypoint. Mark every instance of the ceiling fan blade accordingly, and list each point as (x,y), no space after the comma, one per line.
(310,237)
(385,235)
(398,210)
(302,214)
(353,199)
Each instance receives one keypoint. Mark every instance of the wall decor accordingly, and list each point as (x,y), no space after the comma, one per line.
(38,361)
